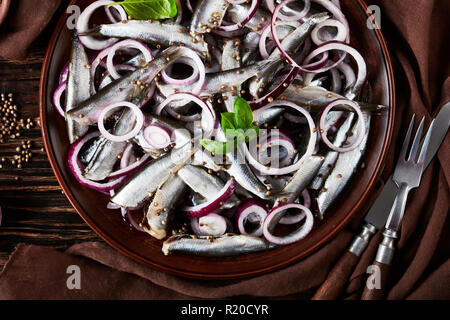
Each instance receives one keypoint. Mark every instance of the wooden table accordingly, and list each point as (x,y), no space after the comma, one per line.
(35,210)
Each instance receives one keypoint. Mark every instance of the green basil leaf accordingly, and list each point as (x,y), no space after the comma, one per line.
(149,9)
(243,115)
(218,147)
(228,124)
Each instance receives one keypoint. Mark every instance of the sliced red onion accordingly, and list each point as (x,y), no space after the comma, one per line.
(349,74)
(83,25)
(126,214)
(341,33)
(208,113)
(113,17)
(126,170)
(156,136)
(237,1)
(210,225)
(183,82)
(238,26)
(228,34)
(277,141)
(252,211)
(139,121)
(298,15)
(64,73)
(265,34)
(179,12)
(362,68)
(275,215)
(291,219)
(128,43)
(77,171)
(57,98)
(275,93)
(208,207)
(361,125)
(189,6)
(309,150)
(336,12)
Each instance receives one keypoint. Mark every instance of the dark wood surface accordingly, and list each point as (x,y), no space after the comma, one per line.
(34,208)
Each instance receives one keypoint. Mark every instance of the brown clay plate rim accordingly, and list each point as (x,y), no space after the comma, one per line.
(211,276)
(4,7)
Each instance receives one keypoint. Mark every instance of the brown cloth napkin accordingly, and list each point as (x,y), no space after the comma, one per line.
(417,36)
(25,21)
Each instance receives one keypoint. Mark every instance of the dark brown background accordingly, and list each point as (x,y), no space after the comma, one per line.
(34,208)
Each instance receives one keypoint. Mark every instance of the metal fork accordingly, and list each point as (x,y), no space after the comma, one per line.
(407,176)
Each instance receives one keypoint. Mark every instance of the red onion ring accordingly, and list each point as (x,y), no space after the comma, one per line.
(276,214)
(238,26)
(253,211)
(361,127)
(291,219)
(213,205)
(75,167)
(341,34)
(129,218)
(275,93)
(336,12)
(183,82)
(128,43)
(83,25)
(362,68)
(309,150)
(156,136)
(57,98)
(349,74)
(210,225)
(64,73)
(139,121)
(207,110)
(281,141)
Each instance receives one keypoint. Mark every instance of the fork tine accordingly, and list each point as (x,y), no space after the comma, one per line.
(407,138)
(426,142)
(416,142)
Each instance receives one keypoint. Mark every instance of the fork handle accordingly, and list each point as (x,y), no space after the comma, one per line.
(336,280)
(376,290)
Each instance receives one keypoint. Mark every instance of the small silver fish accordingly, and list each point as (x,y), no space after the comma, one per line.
(155,33)
(102,164)
(208,15)
(331,156)
(205,184)
(219,82)
(300,180)
(124,89)
(161,207)
(78,87)
(145,181)
(344,168)
(231,50)
(226,245)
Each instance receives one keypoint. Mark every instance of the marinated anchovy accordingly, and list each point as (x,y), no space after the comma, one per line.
(268,115)
(219,82)
(344,168)
(142,185)
(331,156)
(231,51)
(300,180)
(155,33)
(237,13)
(290,44)
(102,164)
(123,89)
(161,208)
(208,15)
(205,184)
(250,48)
(316,98)
(78,87)
(226,245)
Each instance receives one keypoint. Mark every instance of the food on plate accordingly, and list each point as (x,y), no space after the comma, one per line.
(221,127)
